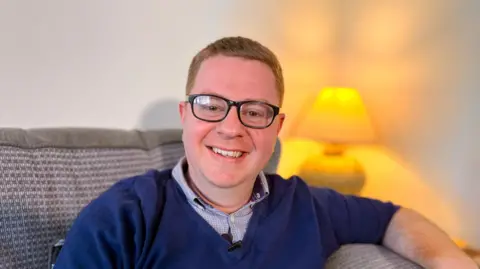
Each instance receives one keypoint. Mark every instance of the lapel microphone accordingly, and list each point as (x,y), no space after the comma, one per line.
(233,246)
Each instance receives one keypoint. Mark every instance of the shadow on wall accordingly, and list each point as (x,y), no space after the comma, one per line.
(160,114)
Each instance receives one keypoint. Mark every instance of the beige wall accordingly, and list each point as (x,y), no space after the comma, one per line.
(123,64)
(416,65)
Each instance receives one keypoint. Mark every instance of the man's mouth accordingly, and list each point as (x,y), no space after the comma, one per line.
(227,153)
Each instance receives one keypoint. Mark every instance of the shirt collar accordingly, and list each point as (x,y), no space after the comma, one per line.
(260,188)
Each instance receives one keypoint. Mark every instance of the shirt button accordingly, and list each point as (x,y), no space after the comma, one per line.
(232,218)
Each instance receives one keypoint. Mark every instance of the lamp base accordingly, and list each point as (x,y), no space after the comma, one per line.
(339,172)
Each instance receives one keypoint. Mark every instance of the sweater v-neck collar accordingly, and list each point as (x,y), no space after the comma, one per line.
(219,242)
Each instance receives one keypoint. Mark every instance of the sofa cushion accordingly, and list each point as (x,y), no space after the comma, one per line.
(368,256)
(48,175)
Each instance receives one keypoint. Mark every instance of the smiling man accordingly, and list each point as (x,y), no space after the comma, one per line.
(217,209)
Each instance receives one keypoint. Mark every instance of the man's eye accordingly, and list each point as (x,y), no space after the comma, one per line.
(210,107)
(253,113)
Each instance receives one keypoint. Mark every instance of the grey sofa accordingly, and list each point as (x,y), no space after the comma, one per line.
(48,175)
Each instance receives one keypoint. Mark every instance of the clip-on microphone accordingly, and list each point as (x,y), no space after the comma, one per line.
(233,246)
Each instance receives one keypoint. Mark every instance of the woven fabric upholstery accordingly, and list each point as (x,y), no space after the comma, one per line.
(368,257)
(48,176)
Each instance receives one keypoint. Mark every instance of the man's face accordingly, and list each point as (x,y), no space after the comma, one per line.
(236,79)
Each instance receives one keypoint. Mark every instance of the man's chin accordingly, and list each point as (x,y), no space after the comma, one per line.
(225,182)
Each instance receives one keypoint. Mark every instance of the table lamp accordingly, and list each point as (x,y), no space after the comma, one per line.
(337,118)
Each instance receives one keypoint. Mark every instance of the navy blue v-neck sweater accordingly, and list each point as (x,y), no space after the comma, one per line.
(146,222)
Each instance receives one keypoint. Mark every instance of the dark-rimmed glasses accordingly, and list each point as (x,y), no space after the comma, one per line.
(251,113)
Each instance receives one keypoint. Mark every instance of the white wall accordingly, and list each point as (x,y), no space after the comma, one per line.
(123,64)
(99,63)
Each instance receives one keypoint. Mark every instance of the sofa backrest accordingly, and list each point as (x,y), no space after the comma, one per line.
(48,175)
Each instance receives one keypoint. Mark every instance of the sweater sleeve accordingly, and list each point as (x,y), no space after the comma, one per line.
(105,232)
(355,219)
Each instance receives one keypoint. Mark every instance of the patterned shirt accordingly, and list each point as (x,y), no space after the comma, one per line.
(234,224)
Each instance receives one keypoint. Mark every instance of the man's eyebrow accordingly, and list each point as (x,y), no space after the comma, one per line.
(258,100)
(208,91)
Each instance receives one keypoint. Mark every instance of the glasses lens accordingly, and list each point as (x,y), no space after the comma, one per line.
(209,108)
(256,114)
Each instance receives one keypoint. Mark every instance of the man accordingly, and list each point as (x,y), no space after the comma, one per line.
(217,209)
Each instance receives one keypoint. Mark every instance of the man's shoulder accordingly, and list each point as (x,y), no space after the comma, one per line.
(294,183)
(294,186)
(147,180)
(147,183)
(297,185)
(129,195)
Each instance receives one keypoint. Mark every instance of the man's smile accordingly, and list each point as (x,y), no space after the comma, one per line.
(232,154)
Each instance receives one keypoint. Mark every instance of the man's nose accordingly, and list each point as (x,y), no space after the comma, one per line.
(231,126)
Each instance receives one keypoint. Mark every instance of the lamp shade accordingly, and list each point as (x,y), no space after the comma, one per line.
(338,115)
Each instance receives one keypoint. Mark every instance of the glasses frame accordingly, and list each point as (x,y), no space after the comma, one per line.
(238,104)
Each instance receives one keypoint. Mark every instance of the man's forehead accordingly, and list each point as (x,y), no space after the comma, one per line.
(236,79)
(235,67)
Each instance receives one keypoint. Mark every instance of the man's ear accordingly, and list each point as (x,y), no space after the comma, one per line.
(181,110)
(281,119)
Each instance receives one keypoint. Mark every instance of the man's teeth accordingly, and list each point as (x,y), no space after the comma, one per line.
(227,153)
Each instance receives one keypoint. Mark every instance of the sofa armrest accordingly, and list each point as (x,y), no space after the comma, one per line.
(367,257)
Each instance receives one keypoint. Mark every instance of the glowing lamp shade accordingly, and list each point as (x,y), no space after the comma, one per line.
(338,116)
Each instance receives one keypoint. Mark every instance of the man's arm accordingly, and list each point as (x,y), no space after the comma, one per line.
(414,237)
